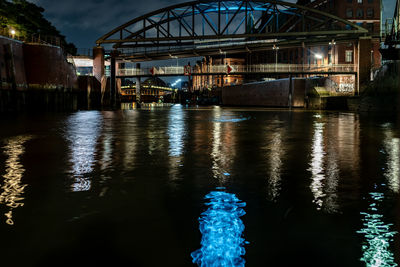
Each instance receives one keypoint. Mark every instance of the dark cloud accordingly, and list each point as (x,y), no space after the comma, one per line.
(84,21)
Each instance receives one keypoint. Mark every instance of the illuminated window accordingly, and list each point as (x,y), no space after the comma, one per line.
(360,1)
(349,56)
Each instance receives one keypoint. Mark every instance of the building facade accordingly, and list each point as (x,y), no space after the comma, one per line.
(203,82)
(365,13)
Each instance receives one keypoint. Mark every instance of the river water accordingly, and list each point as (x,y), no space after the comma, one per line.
(208,186)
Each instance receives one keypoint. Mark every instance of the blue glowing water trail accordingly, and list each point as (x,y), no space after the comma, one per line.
(222,243)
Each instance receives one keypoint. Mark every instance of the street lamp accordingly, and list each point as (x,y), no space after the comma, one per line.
(171,56)
(332,44)
(176,82)
(318,56)
(276,48)
(13,32)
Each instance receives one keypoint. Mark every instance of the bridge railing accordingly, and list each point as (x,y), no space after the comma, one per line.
(241,69)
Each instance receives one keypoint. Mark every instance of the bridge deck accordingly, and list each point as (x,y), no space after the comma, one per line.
(273,69)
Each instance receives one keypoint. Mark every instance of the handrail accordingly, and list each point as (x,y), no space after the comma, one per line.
(240,69)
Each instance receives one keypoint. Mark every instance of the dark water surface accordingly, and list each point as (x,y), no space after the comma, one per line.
(214,186)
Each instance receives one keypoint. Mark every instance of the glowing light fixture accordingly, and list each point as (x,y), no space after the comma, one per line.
(176,82)
(318,56)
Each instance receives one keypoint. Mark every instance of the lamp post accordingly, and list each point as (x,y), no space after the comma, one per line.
(333,52)
(13,32)
(318,57)
(276,48)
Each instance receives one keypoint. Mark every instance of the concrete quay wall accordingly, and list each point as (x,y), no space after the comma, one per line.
(37,77)
(277,93)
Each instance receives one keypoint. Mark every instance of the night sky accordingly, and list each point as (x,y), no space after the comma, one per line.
(84,21)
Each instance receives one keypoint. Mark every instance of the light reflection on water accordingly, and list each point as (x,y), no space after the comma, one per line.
(223,146)
(335,147)
(378,236)
(176,135)
(274,151)
(107,142)
(129,134)
(83,131)
(316,164)
(222,243)
(176,130)
(392,149)
(13,189)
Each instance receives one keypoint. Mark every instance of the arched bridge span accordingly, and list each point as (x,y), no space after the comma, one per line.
(209,27)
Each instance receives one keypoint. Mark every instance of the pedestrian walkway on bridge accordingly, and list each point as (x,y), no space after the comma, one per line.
(241,69)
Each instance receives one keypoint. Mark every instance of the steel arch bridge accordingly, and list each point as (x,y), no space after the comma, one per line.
(206,27)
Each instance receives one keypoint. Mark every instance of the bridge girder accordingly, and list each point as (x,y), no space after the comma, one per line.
(200,23)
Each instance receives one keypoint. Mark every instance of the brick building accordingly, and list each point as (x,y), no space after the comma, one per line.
(201,82)
(365,13)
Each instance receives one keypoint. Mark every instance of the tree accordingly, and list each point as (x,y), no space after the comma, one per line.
(27,19)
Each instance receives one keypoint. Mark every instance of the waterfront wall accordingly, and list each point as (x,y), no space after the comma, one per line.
(36,77)
(277,93)
(46,67)
(12,66)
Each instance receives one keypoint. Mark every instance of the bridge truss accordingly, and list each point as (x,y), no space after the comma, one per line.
(212,27)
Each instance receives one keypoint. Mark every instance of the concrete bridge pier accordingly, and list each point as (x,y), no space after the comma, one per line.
(113,81)
(364,63)
(98,73)
(98,62)
(138,84)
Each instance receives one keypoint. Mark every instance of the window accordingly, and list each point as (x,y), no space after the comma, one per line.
(370,12)
(349,1)
(360,1)
(370,1)
(349,12)
(349,56)
(360,13)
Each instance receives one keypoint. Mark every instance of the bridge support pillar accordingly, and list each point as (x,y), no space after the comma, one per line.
(363,62)
(290,100)
(138,89)
(113,84)
(98,62)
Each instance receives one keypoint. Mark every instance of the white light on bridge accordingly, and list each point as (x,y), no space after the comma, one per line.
(318,56)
